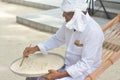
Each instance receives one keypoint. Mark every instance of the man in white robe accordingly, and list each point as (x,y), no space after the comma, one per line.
(83,38)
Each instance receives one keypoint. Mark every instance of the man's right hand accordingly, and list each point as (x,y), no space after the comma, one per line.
(30,50)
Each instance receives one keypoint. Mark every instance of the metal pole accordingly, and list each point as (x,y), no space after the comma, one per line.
(92,7)
(104,9)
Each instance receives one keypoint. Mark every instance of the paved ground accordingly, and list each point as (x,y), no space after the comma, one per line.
(53,2)
(15,37)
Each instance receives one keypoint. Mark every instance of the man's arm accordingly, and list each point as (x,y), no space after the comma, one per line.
(55,41)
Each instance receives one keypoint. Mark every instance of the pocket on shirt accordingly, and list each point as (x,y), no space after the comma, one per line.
(77,49)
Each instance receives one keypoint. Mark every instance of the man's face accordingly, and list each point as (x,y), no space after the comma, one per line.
(68,15)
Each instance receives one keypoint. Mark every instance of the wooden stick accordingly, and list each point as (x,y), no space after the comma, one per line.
(23,59)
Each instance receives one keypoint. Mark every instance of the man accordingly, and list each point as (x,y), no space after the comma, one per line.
(83,38)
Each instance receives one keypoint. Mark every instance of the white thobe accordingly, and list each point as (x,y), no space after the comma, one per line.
(79,60)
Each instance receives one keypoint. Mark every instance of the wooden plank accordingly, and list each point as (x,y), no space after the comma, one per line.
(111,23)
(104,66)
(97,72)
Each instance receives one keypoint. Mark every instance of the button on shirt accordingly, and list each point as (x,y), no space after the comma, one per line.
(79,60)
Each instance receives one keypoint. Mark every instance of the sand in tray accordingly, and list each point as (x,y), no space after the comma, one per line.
(38,64)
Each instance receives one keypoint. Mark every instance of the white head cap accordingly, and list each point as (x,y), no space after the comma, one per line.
(72,5)
(76,6)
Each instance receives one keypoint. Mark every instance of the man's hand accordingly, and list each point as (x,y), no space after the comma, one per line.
(53,74)
(30,50)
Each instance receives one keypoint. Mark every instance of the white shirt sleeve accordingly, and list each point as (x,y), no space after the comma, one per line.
(91,54)
(55,41)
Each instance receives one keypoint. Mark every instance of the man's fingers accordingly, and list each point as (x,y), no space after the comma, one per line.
(48,77)
(26,52)
(52,71)
(45,76)
(26,55)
